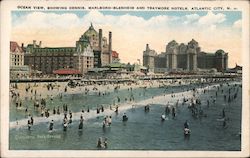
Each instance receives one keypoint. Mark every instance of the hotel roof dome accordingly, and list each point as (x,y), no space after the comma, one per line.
(220,51)
(90,32)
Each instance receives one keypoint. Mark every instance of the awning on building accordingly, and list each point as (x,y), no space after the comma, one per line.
(67,72)
(98,69)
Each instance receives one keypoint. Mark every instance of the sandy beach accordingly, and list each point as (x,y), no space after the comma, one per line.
(164,100)
(59,88)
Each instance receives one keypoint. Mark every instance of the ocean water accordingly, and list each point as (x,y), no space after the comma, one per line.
(142,131)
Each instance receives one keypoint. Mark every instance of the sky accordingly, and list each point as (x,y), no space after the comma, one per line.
(132,30)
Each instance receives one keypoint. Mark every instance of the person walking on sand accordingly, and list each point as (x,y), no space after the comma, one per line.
(58,111)
(102,108)
(54,110)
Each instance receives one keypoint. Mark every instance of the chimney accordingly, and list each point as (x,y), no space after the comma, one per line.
(22,47)
(110,47)
(40,44)
(100,39)
(34,43)
(147,47)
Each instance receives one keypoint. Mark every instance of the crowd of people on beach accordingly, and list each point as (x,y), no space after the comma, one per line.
(195,104)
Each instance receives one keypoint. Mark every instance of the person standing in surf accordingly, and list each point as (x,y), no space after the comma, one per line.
(186,124)
(29,125)
(81,123)
(223,113)
(51,125)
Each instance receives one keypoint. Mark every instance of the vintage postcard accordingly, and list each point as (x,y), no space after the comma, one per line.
(124,78)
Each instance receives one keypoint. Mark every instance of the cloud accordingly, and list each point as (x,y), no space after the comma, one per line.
(130,33)
(42,20)
(127,20)
(237,24)
(191,18)
(212,19)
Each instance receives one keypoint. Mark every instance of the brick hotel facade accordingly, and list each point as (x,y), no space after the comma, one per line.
(91,50)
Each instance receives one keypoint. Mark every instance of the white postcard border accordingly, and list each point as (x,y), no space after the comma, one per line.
(7,6)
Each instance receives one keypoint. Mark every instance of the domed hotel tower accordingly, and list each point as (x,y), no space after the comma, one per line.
(101,47)
(91,50)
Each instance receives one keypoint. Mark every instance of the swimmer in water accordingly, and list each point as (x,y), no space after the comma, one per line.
(224,123)
(186,124)
(105,143)
(99,143)
(80,124)
(29,125)
(223,113)
(65,125)
(109,120)
(31,120)
(116,109)
(51,125)
(124,117)
(163,117)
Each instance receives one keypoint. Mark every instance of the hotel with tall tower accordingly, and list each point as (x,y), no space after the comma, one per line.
(91,50)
